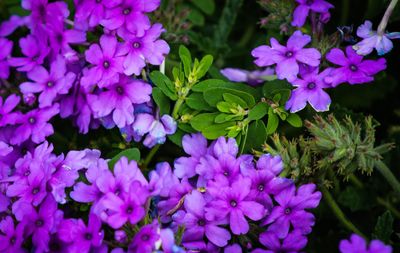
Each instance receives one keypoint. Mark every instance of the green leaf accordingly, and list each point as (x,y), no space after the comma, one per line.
(256,136)
(201,121)
(177,137)
(215,95)
(161,100)
(214,131)
(216,83)
(204,66)
(294,120)
(186,59)
(234,99)
(197,102)
(163,82)
(203,85)
(207,6)
(273,122)
(186,128)
(131,154)
(223,117)
(355,199)
(224,107)
(196,17)
(274,87)
(384,227)
(258,111)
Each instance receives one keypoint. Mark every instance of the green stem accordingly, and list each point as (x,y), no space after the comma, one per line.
(356,181)
(389,206)
(339,213)
(177,106)
(345,11)
(150,156)
(388,175)
(385,19)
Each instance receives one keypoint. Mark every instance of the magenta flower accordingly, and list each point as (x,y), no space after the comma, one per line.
(310,88)
(357,244)
(11,238)
(371,40)
(130,15)
(93,11)
(5,52)
(81,238)
(142,49)
(6,115)
(287,58)
(145,240)
(126,207)
(35,51)
(231,203)
(35,125)
(9,26)
(118,100)
(107,66)
(293,242)
(305,6)
(49,85)
(290,211)
(60,40)
(353,69)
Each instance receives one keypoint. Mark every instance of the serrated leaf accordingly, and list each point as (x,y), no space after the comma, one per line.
(131,154)
(161,100)
(294,120)
(201,121)
(204,66)
(234,99)
(215,95)
(207,6)
(384,227)
(258,111)
(197,102)
(273,122)
(165,85)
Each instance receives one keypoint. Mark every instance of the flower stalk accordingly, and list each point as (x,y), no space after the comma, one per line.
(382,26)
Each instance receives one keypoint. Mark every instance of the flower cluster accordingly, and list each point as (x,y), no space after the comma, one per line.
(68,73)
(359,245)
(220,195)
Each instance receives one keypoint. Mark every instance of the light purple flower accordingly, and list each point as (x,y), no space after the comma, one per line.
(158,131)
(253,78)
(35,51)
(357,244)
(371,40)
(146,48)
(353,69)
(305,6)
(107,66)
(130,15)
(310,88)
(5,52)
(287,58)
(49,84)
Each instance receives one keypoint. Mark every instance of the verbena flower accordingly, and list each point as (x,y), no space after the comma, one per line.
(357,244)
(93,12)
(294,242)
(287,58)
(5,52)
(253,78)
(11,238)
(372,40)
(7,116)
(353,69)
(306,6)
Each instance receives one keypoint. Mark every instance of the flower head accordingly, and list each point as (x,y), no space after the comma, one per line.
(5,52)
(305,6)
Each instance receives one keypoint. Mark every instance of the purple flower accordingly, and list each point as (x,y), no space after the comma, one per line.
(60,40)
(253,78)
(197,225)
(310,88)
(231,203)
(293,242)
(145,240)
(49,85)
(287,58)
(290,210)
(35,124)
(130,15)
(371,40)
(6,115)
(353,69)
(5,52)
(107,66)
(35,51)
(93,11)
(11,237)
(142,49)
(9,26)
(81,237)
(43,12)
(305,6)
(126,207)
(119,99)
(357,244)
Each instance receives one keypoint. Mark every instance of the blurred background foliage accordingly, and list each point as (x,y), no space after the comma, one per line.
(229,30)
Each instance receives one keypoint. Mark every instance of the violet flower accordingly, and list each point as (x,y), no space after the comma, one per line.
(107,66)
(287,58)
(253,78)
(49,84)
(305,6)
(372,40)
(353,69)
(9,26)
(11,238)
(34,50)
(7,117)
(130,15)
(93,11)
(357,244)
(5,52)
(145,240)
(142,49)
(310,88)
(293,242)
